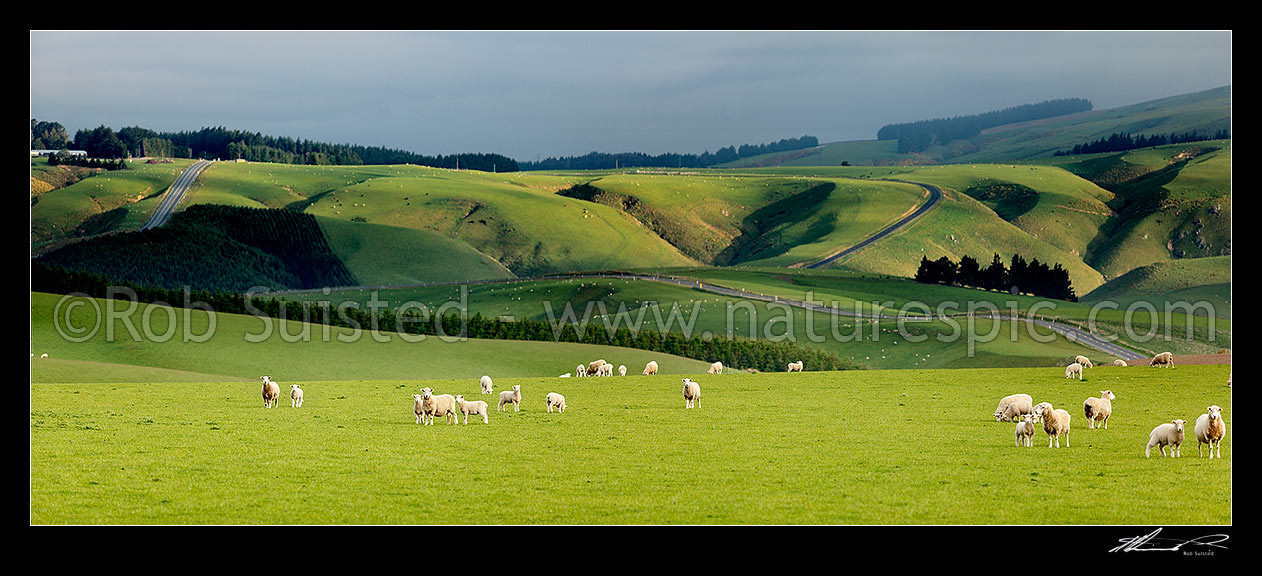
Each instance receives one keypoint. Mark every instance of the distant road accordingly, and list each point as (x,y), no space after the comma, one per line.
(174,194)
(934,196)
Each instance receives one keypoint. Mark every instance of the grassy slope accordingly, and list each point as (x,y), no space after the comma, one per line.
(1189,279)
(146,454)
(379,254)
(138,190)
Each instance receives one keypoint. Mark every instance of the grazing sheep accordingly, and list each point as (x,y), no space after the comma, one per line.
(510,397)
(1170,433)
(418,407)
(1099,409)
(468,407)
(43,355)
(795,366)
(1210,429)
(622,369)
(438,405)
(650,368)
(555,400)
(488,387)
(1026,406)
(716,368)
(295,396)
(1025,430)
(580,371)
(1086,362)
(1073,369)
(605,370)
(1119,362)
(692,394)
(271,392)
(1055,422)
(1165,359)
(593,368)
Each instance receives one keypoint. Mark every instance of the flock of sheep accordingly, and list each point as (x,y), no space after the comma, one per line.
(1020,408)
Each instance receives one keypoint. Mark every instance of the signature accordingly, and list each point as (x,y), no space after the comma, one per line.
(1151,543)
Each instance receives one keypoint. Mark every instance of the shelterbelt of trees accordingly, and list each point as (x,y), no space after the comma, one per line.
(1031,277)
(917,136)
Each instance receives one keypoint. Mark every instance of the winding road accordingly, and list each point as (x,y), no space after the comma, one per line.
(935,195)
(171,198)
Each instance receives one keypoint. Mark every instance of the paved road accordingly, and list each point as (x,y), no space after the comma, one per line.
(934,196)
(174,194)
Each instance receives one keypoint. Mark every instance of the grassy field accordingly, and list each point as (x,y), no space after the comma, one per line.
(761,449)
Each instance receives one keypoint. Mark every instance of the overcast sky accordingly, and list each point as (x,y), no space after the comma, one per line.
(538,94)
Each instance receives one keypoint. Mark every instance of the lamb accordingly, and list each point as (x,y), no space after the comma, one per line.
(593,368)
(468,407)
(1073,369)
(510,397)
(487,385)
(580,371)
(555,400)
(1165,359)
(438,404)
(622,369)
(1086,362)
(271,392)
(1170,433)
(1025,430)
(1005,413)
(795,366)
(418,407)
(566,375)
(1099,409)
(1210,429)
(650,368)
(43,355)
(1119,362)
(295,396)
(605,370)
(692,394)
(716,368)
(1055,422)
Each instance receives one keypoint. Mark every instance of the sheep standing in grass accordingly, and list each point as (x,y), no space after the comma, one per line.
(1005,411)
(1210,429)
(605,370)
(554,400)
(692,393)
(271,392)
(295,396)
(42,356)
(622,369)
(580,371)
(1119,362)
(1025,430)
(1168,434)
(488,386)
(1074,369)
(795,366)
(593,368)
(438,405)
(1055,422)
(467,407)
(1086,362)
(716,368)
(650,368)
(510,397)
(1164,359)
(1099,409)
(418,407)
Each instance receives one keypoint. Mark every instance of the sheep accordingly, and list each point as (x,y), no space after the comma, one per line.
(1164,359)
(1210,429)
(1073,369)
(468,407)
(418,407)
(510,397)
(1119,362)
(488,387)
(554,400)
(593,368)
(605,370)
(650,368)
(795,366)
(1055,422)
(1170,433)
(1025,430)
(1099,409)
(716,368)
(580,371)
(295,396)
(566,375)
(45,355)
(438,404)
(271,392)
(1086,362)
(692,394)
(622,369)
(1026,406)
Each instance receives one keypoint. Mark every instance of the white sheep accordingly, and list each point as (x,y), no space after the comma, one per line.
(418,407)
(1055,422)
(554,400)
(295,396)
(1005,411)
(1099,409)
(43,355)
(566,375)
(1025,430)
(467,407)
(271,392)
(593,368)
(716,368)
(439,405)
(1165,359)
(1086,362)
(622,369)
(488,386)
(796,366)
(1119,362)
(1168,434)
(1210,429)
(510,397)
(650,368)
(580,371)
(605,370)
(1074,369)
(692,394)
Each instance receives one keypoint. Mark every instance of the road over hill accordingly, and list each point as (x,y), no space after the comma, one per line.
(935,195)
(174,194)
